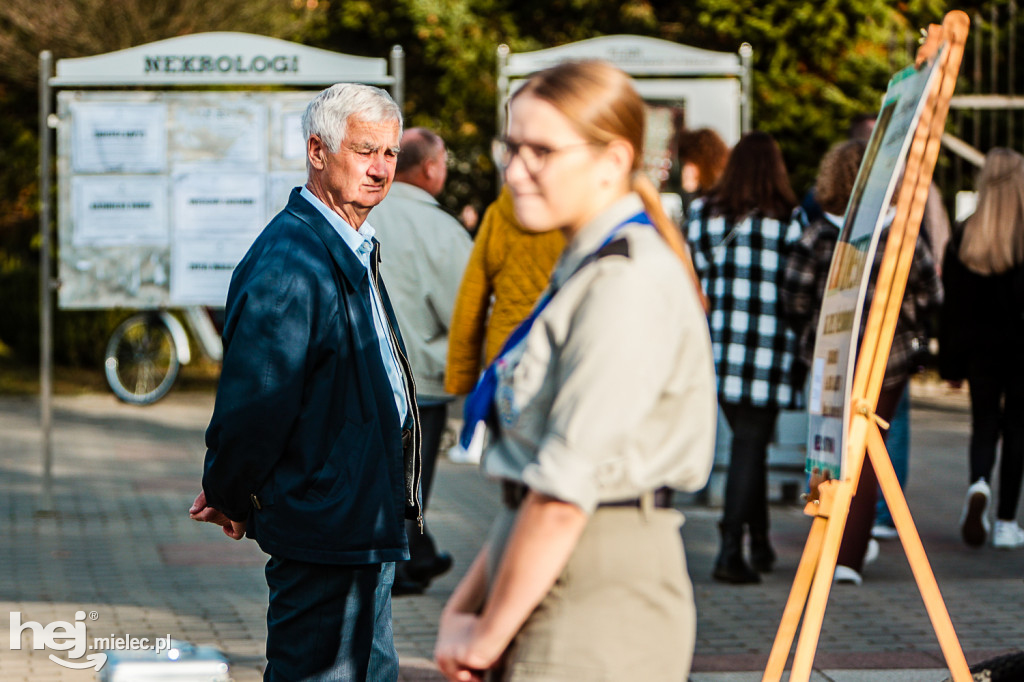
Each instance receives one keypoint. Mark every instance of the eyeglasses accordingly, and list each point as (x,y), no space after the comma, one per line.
(533,156)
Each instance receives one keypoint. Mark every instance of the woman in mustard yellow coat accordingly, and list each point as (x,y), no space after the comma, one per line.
(510,265)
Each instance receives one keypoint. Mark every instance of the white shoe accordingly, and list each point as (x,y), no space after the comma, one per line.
(974,523)
(872,552)
(1007,535)
(883,532)
(845,574)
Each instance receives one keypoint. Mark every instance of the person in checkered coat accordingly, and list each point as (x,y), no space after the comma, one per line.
(740,235)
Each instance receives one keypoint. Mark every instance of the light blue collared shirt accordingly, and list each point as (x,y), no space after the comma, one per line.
(361,245)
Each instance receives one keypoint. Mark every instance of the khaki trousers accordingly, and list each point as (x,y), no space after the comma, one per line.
(622,609)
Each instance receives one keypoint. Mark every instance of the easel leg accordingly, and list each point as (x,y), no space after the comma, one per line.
(803,660)
(797,598)
(914,550)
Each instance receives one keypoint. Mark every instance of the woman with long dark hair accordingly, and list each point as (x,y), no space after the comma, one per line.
(741,234)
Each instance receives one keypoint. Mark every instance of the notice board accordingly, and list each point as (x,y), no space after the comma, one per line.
(162,193)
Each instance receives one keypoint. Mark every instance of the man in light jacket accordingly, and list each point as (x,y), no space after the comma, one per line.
(425,252)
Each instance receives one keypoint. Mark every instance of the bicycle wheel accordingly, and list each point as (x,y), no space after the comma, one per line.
(141,360)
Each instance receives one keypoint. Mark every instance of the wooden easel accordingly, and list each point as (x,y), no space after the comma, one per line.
(830,500)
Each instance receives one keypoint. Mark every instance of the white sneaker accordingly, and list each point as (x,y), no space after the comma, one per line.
(845,574)
(872,552)
(881,531)
(1007,535)
(974,523)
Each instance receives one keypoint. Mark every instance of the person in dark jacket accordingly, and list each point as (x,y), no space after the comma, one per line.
(803,289)
(982,340)
(313,448)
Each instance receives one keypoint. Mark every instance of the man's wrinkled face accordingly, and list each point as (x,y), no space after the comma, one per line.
(358,176)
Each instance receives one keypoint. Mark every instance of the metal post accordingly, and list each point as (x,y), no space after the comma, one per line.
(977,86)
(994,120)
(503,86)
(746,85)
(1011,61)
(45,283)
(958,164)
(398,73)
(503,94)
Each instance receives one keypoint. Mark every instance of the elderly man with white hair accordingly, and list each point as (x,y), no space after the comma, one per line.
(313,447)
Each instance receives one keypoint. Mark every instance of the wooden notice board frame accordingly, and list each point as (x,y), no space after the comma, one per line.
(829,500)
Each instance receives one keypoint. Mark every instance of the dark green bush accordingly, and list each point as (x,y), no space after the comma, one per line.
(79,336)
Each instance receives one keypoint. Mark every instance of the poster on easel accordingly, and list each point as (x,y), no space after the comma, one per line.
(925,105)
(867,215)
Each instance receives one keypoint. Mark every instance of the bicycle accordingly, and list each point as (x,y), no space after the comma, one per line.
(146,351)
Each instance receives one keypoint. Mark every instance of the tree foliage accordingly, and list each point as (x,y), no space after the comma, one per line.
(75,28)
(816,64)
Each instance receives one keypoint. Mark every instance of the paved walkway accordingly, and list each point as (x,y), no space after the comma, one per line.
(119,547)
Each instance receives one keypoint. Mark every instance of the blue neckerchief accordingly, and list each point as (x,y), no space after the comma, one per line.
(479,404)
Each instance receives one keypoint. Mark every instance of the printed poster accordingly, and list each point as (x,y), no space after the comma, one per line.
(120,137)
(229,205)
(120,210)
(216,219)
(201,270)
(232,134)
(835,348)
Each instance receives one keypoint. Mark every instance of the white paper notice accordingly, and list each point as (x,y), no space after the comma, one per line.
(201,269)
(279,189)
(119,210)
(293,143)
(118,138)
(233,134)
(222,205)
(216,219)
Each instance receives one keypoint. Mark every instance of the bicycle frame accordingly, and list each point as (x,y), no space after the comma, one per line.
(179,335)
(205,332)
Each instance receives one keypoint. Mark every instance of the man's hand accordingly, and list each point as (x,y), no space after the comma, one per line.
(200,511)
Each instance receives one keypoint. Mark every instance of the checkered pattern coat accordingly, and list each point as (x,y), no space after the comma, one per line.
(803,289)
(741,267)
(803,284)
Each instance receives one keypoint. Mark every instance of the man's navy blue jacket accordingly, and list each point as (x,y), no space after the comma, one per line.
(305,441)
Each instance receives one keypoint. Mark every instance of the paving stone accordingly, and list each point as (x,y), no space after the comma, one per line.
(119,542)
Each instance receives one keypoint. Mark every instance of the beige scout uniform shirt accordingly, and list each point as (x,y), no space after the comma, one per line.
(612,393)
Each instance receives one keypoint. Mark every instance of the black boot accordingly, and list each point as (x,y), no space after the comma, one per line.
(425,563)
(730,566)
(762,556)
